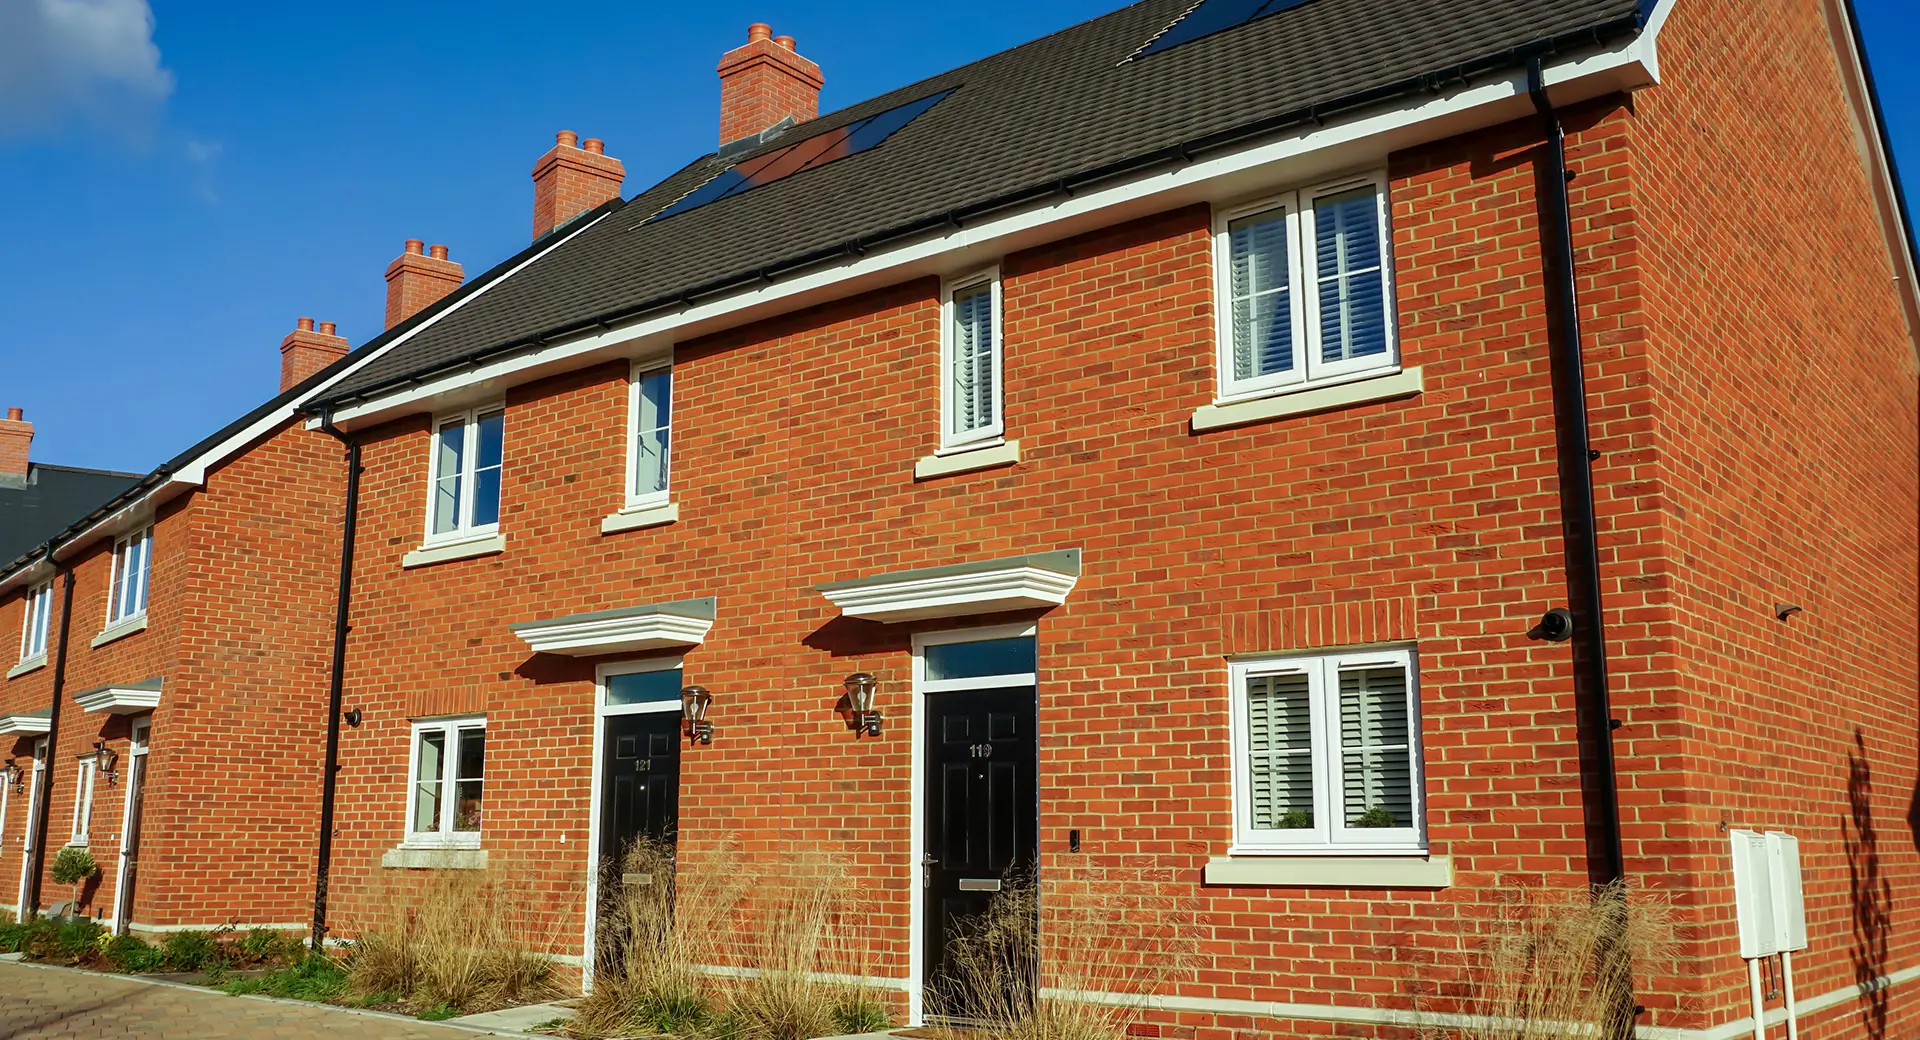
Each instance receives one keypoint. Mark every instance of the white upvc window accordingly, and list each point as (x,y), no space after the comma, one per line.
(33,630)
(463,485)
(971,375)
(83,802)
(445,779)
(1326,753)
(1304,288)
(127,587)
(649,433)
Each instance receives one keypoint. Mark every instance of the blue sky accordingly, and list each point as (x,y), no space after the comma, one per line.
(176,200)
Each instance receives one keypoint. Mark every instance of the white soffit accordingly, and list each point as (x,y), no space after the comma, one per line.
(25,722)
(123,699)
(1019,583)
(654,626)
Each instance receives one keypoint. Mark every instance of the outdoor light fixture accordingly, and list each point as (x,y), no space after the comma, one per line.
(694,701)
(1784,611)
(16,777)
(105,759)
(352,716)
(1556,626)
(860,687)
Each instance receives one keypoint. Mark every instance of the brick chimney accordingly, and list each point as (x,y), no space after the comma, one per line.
(16,436)
(569,180)
(763,82)
(418,278)
(306,351)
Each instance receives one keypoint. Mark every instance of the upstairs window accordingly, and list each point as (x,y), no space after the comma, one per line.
(650,420)
(970,369)
(1326,753)
(1305,294)
(448,770)
(465,477)
(33,631)
(127,588)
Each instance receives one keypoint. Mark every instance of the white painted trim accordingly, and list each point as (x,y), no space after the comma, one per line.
(143,537)
(194,472)
(1016,587)
(463,529)
(36,623)
(1301,156)
(23,723)
(637,518)
(973,458)
(443,836)
(238,926)
(634,633)
(427,555)
(119,700)
(38,755)
(992,433)
(120,631)
(139,739)
(727,971)
(1331,871)
(1305,400)
(641,502)
(85,783)
(31,664)
(417,857)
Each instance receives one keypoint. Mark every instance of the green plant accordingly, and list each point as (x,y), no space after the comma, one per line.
(1296,820)
(858,1012)
(130,953)
(73,865)
(1378,816)
(266,944)
(190,951)
(13,937)
(74,937)
(314,977)
(439,1013)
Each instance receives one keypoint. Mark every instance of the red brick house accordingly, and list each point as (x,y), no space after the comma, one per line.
(1184,427)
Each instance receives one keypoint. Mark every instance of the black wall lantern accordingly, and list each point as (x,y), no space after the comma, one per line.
(106,760)
(860,687)
(694,701)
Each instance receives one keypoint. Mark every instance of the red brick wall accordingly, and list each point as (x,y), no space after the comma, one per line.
(1434,518)
(1784,382)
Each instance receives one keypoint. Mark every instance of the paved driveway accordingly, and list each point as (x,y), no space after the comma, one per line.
(46,1003)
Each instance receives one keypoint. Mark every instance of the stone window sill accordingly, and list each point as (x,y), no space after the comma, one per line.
(644,516)
(120,631)
(1384,387)
(414,857)
(989,457)
(1381,871)
(466,549)
(31,664)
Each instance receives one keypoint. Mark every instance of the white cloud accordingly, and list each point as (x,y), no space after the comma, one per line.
(88,59)
(202,157)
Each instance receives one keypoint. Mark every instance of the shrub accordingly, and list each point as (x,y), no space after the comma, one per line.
(130,953)
(266,944)
(71,938)
(13,937)
(190,951)
(313,977)
(73,865)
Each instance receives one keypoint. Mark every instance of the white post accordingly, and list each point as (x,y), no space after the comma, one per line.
(1759,1001)
(1786,977)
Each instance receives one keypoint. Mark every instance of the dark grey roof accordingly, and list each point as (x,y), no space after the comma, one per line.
(702,609)
(50,498)
(1063,111)
(154,684)
(1059,561)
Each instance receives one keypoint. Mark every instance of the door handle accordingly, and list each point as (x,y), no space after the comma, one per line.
(927,863)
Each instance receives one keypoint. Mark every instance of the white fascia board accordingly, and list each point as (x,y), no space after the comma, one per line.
(1365,138)
(23,724)
(620,631)
(1019,587)
(194,473)
(120,700)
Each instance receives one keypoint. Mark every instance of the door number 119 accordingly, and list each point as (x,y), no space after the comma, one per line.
(980,750)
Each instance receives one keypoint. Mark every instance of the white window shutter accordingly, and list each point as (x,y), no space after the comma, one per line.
(973,376)
(1376,748)
(1280,752)
(1352,294)
(1262,295)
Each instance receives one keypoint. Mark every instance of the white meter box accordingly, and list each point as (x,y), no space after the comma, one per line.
(1753,895)
(1789,902)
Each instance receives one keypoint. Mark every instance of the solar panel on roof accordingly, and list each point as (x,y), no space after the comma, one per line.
(852,139)
(1212,16)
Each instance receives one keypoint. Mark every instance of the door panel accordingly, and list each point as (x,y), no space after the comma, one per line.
(982,817)
(130,845)
(640,780)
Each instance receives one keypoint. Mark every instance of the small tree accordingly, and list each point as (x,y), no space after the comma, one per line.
(73,866)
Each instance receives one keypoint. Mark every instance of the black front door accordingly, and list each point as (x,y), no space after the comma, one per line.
(982,820)
(639,781)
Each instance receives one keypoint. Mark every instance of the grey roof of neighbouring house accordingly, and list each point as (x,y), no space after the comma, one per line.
(50,498)
(1064,111)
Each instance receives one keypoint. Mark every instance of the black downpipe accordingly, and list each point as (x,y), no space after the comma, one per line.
(323,862)
(43,799)
(1580,527)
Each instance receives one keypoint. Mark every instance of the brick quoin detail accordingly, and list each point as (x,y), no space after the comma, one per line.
(571,179)
(418,278)
(764,81)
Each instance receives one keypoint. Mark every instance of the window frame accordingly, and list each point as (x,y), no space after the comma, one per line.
(83,786)
(637,499)
(1303,287)
(116,580)
(1330,835)
(464,529)
(993,433)
(443,836)
(36,627)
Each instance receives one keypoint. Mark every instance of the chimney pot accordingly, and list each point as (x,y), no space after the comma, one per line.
(594,145)
(414,246)
(565,138)
(417,278)
(764,81)
(326,328)
(439,252)
(759,31)
(305,351)
(15,414)
(569,180)
(304,324)
(784,41)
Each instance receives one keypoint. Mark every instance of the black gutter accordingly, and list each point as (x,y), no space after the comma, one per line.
(1593,709)
(43,798)
(330,769)
(1181,154)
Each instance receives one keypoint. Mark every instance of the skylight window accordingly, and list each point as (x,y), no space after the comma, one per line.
(852,139)
(1212,16)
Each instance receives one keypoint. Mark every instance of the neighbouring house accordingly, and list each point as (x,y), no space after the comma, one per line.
(1183,427)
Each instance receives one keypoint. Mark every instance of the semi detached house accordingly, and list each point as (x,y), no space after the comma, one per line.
(1321,464)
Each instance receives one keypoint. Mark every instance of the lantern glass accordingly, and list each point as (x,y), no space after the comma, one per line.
(860,687)
(693,703)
